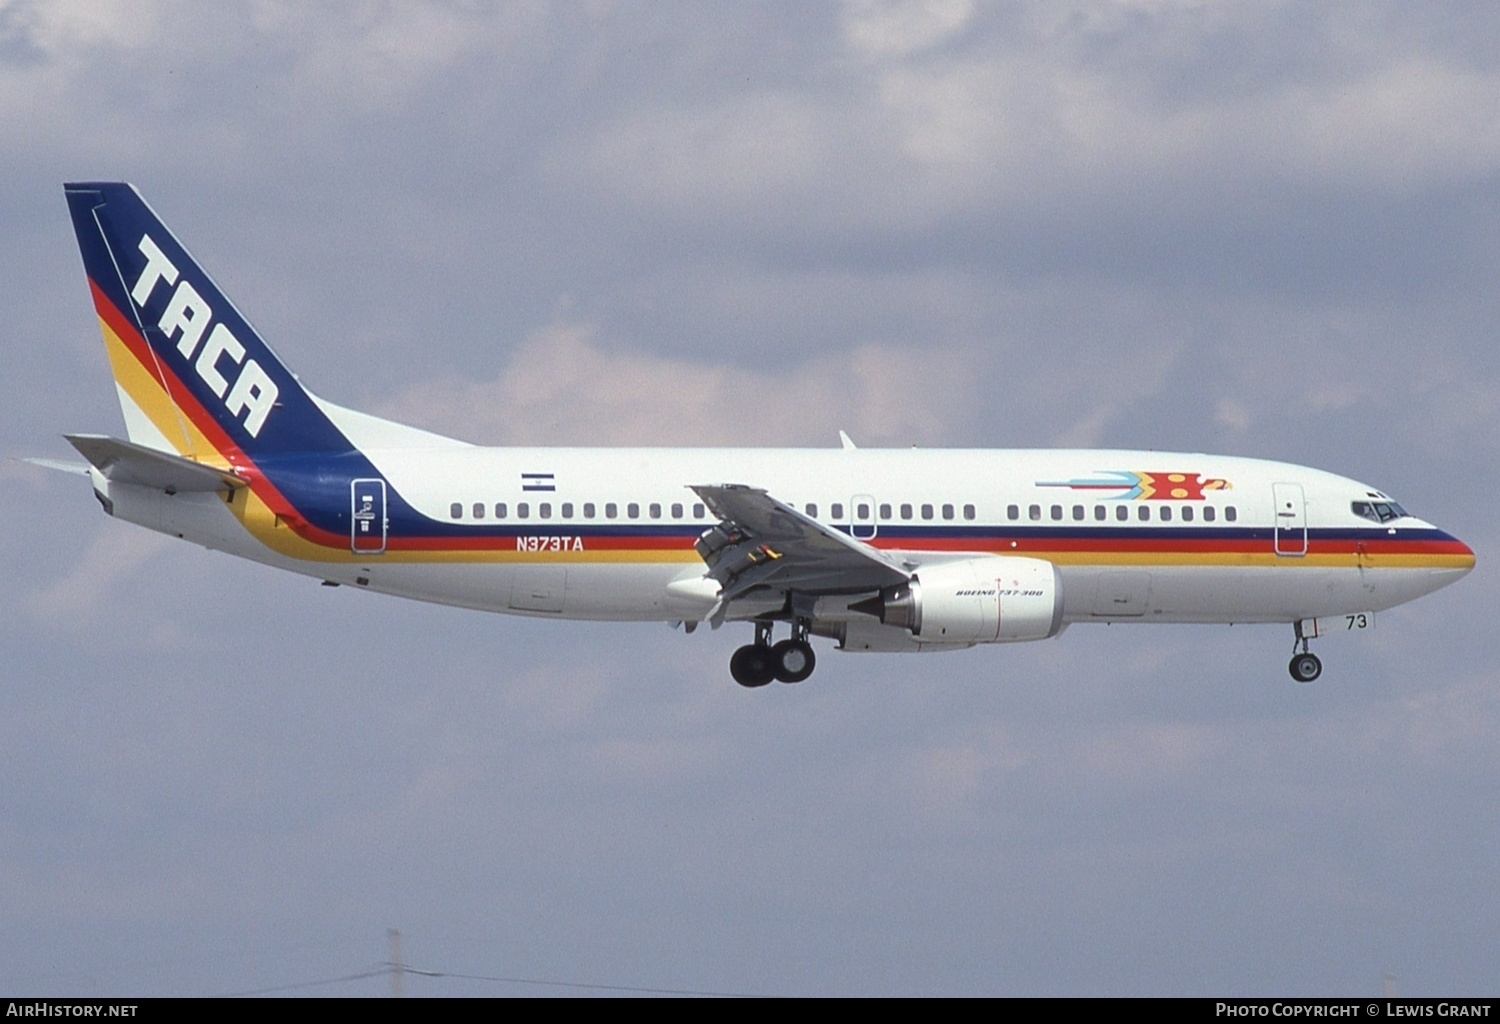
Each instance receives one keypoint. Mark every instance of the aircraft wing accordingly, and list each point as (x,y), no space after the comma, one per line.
(762,543)
(136,464)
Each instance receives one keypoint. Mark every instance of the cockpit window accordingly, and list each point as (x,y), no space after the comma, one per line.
(1378,511)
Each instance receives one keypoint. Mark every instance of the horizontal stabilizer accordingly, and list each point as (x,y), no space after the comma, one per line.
(130,463)
(59,465)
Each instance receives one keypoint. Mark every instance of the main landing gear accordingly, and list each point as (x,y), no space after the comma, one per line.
(790,661)
(1305,665)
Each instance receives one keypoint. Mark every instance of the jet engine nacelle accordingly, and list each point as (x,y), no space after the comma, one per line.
(978,600)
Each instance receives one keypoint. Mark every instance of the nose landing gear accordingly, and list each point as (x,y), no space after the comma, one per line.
(791,661)
(1305,665)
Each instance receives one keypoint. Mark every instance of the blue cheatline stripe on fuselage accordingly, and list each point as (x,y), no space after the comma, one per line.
(1073,532)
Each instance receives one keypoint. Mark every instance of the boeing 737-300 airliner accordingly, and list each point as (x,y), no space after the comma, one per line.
(879,550)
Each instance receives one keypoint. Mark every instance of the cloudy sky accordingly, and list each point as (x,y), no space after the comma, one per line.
(1260,228)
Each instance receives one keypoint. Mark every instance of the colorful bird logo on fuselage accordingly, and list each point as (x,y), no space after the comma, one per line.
(1138,486)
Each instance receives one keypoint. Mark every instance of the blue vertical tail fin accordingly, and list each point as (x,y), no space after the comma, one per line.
(193,376)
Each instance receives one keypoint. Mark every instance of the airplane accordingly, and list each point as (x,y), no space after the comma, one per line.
(880,550)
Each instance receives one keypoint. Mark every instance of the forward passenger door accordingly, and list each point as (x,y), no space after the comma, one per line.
(1291,519)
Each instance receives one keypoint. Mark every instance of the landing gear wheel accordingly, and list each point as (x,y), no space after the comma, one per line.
(753,665)
(793,660)
(1305,667)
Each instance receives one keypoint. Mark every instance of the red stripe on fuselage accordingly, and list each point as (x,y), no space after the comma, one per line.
(1144,543)
(507,542)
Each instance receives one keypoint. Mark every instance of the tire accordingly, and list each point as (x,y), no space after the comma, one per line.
(752,665)
(793,660)
(1305,667)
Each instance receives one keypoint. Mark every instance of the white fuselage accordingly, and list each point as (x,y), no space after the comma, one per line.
(606,533)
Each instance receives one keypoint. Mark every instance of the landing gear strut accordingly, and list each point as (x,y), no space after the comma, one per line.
(1305,665)
(791,661)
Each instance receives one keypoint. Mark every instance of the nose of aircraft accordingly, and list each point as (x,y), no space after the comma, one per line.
(1453,560)
(1465,552)
(1440,561)
(1441,557)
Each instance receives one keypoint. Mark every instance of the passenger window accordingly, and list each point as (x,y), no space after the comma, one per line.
(1034,513)
(1078,513)
(588,510)
(500,510)
(1100,512)
(947,511)
(885,510)
(544,510)
(567,510)
(1144,513)
(926,511)
(1187,513)
(699,511)
(837,510)
(862,512)
(811,510)
(1056,513)
(905,511)
(969,512)
(611,510)
(1209,513)
(1166,513)
(676,510)
(456,510)
(1230,515)
(1013,511)
(633,510)
(1122,513)
(523,510)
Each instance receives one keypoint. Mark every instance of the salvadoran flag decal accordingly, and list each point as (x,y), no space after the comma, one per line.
(538,482)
